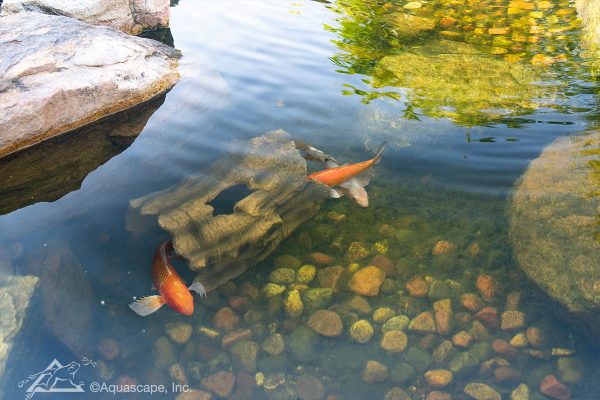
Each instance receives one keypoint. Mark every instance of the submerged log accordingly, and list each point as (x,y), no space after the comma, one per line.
(221,247)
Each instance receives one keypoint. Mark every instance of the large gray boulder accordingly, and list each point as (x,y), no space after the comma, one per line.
(130,16)
(555,224)
(16,293)
(57,74)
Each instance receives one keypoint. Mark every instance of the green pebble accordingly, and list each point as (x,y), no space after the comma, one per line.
(306,273)
(317,298)
(272,289)
(397,323)
(283,276)
(418,358)
(402,373)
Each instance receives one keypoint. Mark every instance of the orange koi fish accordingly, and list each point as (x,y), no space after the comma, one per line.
(169,284)
(338,175)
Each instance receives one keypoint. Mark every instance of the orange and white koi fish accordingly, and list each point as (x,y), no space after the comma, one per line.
(169,284)
(352,178)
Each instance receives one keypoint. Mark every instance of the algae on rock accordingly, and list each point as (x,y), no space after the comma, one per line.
(221,247)
(555,224)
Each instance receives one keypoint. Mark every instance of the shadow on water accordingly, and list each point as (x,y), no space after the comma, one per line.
(48,171)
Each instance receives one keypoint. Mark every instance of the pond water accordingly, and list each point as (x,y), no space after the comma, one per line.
(465,94)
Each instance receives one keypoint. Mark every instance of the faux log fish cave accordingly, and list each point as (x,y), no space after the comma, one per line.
(221,247)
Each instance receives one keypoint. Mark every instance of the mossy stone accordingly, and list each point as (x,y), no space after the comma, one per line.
(306,273)
(282,276)
(317,298)
(463,364)
(397,323)
(302,343)
(418,358)
(286,261)
(402,373)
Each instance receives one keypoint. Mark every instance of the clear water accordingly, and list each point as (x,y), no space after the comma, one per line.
(315,70)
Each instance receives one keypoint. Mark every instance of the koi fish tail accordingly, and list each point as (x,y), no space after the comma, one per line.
(147,305)
(377,157)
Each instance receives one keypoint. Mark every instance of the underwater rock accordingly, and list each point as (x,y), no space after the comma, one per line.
(179,332)
(463,363)
(221,247)
(282,276)
(226,319)
(194,394)
(438,378)
(293,304)
(330,277)
(423,323)
(479,332)
(417,287)
(326,323)
(519,341)
(109,349)
(554,213)
(407,25)
(443,316)
(221,383)
(164,353)
(398,323)
(553,388)
(443,352)
(375,372)
(272,289)
(419,359)
(366,281)
(16,295)
(43,59)
(232,337)
(437,395)
(358,305)
(306,273)
(462,339)
(571,369)
(302,343)
(321,258)
(396,393)
(382,314)
(131,16)
(443,247)
(489,316)
(507,376)
(536,337)
(66,295)
(361,331)
(402,373)
(393,341)
(274,344)
(481,391)
(471,302)
(286,261)
(487,286)
(244,354)
(309,387)
(512,320)
(504,348)
(521,392)
(316,298)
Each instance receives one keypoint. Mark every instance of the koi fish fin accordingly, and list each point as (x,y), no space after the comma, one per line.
(198,288)
(377,157)
(147,305)
(153,287)
(364,178)
(335,194)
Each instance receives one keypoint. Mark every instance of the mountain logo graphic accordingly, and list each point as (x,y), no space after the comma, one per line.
(55,378)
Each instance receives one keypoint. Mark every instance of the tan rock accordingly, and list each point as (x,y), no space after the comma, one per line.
(326,323)
(394,341)
(366,281)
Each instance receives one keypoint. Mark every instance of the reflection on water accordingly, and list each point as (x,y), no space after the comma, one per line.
(466,94)
(48,171)
(474,63)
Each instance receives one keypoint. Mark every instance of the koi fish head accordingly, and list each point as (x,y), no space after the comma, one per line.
(359,195)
